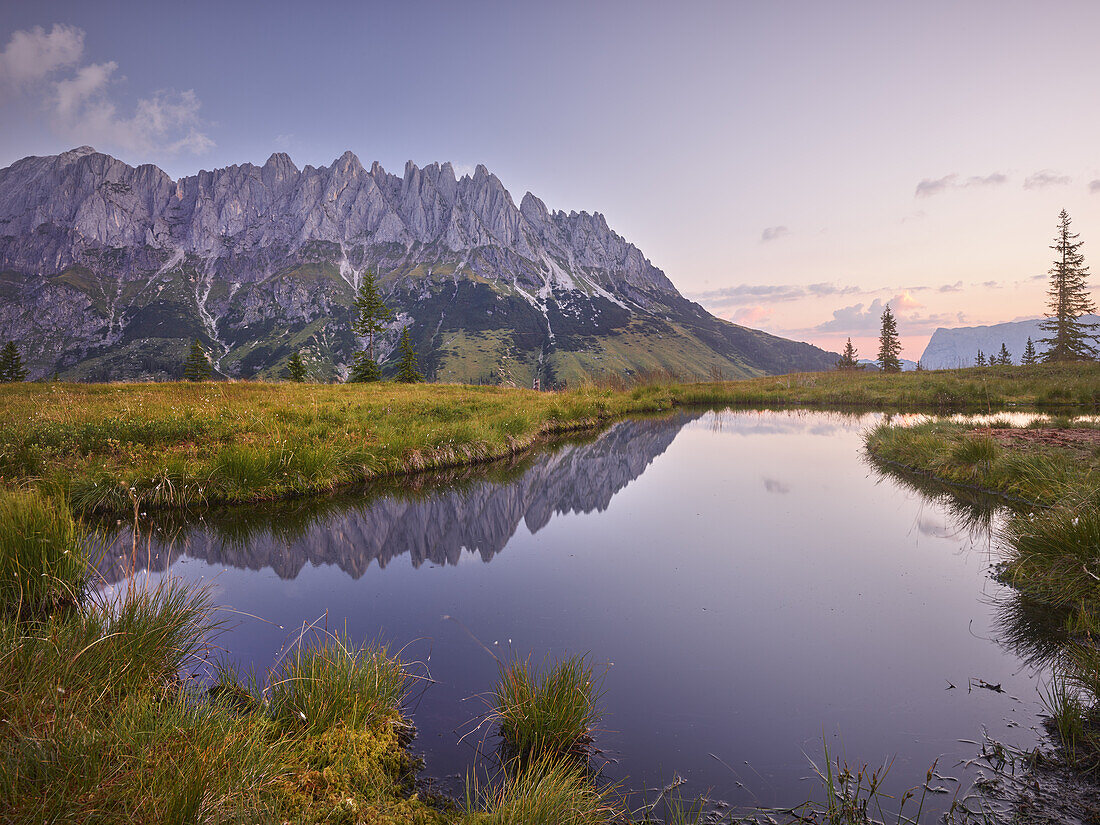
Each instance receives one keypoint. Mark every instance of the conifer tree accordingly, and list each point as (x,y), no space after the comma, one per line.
(979,360)
(1068,299)
(296,368)
(1029,354)
(197,367)
(920,366)
(889,347)
(407,371)
(371,315)
(849,359)
(1004,357)
(11,364)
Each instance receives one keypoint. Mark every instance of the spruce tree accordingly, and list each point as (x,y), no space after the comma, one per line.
(979,360)
(296,368)
(1068,299)
(371,315)
(1029,354)
(920,366)
(197,367)
(11,364)
(1004,357)
(407,371)
(849,359)
(889,347)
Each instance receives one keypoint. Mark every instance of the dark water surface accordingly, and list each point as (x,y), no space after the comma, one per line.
(748,581)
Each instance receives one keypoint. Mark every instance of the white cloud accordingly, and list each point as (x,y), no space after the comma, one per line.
(71,94)
(167,122)
(32,55)
(81,102)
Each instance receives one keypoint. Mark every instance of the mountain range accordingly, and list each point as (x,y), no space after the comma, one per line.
(952,348)
(108,271)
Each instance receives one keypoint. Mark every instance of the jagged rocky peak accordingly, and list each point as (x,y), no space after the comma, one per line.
(76,154)
(106,264)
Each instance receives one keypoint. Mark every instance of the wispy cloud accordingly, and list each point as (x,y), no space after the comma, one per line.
(770,293)
(935,186)
(78,97)
(994,179)
(773,233)
(32,55)
(1094,186)
(1044,178)
(955,287)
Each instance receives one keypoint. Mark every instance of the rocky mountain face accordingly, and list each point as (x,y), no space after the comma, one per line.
(953,348)
(108,271)
(478,515)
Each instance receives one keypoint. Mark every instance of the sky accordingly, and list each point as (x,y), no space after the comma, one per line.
(793,166)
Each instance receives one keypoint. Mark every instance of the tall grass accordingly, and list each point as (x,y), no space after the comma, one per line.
(1055,554)
(42,565)
(328,681)
(547,791)
(547,711)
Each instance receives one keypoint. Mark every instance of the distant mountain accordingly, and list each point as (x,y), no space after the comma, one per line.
(108,271)
(951,348)
(906,364)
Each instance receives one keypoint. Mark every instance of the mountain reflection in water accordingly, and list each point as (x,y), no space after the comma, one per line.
(433,518)
(749,586)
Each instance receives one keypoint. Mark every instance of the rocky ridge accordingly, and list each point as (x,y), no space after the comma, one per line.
(108,270)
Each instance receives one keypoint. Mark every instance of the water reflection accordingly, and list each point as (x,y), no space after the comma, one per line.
(752,587)
(434,518)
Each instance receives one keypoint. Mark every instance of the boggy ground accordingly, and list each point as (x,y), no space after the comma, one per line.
(122,448)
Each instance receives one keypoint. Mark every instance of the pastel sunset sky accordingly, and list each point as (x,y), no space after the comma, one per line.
(791,165)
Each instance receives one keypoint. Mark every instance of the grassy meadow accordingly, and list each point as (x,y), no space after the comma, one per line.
(119,448)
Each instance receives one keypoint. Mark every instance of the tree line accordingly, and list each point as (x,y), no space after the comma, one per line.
(1068,301)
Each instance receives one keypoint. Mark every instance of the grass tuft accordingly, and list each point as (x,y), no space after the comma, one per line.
(547,711)
(328,681)
(548,791)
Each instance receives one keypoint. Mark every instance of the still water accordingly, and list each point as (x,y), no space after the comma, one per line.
(752,587)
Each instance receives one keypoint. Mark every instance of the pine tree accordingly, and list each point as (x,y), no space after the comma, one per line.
(197,367)
(1004,357)
(407,371)
(296,368)
(1068,299)
(1029,354)
(11,364)
(849,359)
(889,347)
(370,320)
(920,366)
(979,361)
